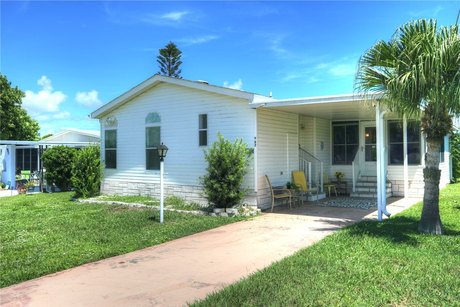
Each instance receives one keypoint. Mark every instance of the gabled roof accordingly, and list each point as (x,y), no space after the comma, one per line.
(156,79)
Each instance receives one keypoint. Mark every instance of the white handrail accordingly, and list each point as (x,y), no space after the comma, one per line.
(355,173)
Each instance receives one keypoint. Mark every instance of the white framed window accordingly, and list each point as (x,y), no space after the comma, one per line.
(203,130)
(396,144)
(345,142)
(152,140)
(110,146)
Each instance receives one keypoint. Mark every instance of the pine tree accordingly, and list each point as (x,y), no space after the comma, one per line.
(169,61)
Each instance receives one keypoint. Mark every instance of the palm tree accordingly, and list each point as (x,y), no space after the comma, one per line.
(169,61)
(418,74)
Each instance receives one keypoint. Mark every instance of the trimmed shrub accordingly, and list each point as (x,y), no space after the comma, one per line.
(227,166)
(58,162)
(87,172)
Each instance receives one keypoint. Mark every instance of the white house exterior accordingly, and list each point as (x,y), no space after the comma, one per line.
(285,135)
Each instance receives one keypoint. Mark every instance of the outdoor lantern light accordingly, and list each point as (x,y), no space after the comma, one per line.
(162,150)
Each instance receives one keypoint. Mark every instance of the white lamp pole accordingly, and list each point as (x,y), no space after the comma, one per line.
(162,150)
(161,190)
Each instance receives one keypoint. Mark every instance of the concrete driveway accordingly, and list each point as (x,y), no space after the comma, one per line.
(183,270)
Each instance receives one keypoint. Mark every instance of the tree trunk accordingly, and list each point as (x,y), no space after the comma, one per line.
(430,222)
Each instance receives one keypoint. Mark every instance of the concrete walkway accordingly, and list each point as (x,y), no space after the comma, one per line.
(178,272)
(5,193)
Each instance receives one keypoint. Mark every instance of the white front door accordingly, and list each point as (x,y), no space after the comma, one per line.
(368,147)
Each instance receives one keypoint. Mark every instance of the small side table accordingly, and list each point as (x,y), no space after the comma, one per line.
(342,187)
(295,196)
(330,186)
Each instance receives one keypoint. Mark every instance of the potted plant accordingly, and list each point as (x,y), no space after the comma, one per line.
(339,176)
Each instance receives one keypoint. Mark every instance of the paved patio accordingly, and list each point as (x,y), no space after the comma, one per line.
(183,270)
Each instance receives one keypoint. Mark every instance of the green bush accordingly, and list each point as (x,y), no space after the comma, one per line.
(58,162)
(227,165)
(87,172)
(455,154)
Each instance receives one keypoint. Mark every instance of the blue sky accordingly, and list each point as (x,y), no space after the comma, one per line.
(71,57)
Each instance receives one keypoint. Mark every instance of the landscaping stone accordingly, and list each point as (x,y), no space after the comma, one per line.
(236,211)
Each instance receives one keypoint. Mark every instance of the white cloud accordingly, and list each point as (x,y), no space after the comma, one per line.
(167,19)
(197,40)
(275,44)
(61,115)
(428,13)
(45,100)
(342,70)
(237,85)
(175,16)
(88,99)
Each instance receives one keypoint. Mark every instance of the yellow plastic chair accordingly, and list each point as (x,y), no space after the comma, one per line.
(299,180)
(279,193)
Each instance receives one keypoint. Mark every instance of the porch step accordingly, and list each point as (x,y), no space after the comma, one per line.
(366,186)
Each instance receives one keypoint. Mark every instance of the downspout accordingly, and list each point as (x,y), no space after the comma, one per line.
(381,178)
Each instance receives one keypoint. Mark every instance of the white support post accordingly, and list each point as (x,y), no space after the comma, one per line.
(406,161)
(309,175)
(161,191)
(379,159)
(12,166)
(381,169)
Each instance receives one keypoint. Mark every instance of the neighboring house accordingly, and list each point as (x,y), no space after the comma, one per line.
(320,135)
(75,135)
(16,156)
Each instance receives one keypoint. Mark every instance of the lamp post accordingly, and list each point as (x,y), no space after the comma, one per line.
(162,150)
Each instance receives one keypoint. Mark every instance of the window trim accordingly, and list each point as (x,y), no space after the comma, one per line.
(151,125)
(111,148)
(333,144)
(200,129)
(389,143)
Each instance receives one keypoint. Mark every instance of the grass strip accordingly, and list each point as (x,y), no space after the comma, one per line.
(367,264)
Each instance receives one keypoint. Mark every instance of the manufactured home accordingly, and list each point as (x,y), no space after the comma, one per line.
(379,153)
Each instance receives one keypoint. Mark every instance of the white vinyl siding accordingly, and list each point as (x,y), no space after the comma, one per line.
(323,143)
(277,148)
(179,108)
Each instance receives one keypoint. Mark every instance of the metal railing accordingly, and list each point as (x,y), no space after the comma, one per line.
(312,167)
(356,168)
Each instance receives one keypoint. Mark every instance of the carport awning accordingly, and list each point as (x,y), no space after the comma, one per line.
(343,107)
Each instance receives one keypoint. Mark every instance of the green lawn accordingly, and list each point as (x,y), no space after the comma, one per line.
(46,233)
(366,264)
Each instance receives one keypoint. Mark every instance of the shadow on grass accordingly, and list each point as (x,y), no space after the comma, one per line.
(398,230)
